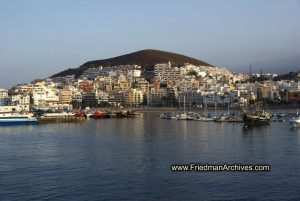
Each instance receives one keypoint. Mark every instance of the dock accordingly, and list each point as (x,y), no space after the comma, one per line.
(65,119)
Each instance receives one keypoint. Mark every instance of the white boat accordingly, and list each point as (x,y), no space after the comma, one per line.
(17,119)
(62,114)
(206,119)
(183,116)
(296,122)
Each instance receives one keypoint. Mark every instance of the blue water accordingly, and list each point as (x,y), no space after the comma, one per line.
(129,159)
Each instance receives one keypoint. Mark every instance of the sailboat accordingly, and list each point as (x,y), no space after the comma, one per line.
(205,117)
(183,116)
(257,117)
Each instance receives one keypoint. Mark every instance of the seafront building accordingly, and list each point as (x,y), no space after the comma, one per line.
(131,86)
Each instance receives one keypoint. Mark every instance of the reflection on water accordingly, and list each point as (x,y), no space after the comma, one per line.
(117,159)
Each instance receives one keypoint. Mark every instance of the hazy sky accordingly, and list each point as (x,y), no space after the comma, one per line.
(40,38)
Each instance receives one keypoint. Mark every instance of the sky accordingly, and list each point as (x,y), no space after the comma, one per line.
(41,38)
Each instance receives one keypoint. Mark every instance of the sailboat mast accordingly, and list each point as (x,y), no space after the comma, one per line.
(215,107)
(228,107)
(184,104)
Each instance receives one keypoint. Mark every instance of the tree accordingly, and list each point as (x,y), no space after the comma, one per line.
(75,104)
(283,94)
(191,73)
(104,104)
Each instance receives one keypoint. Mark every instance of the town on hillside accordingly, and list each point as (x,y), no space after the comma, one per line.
(164,86)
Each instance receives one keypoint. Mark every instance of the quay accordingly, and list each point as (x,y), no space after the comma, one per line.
(65,119)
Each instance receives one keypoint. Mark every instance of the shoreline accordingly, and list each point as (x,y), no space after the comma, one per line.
(289,109)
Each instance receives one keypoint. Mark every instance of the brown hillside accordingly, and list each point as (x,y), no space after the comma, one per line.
(144,58)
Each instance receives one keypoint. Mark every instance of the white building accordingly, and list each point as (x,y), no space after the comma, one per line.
(15,108)
(134,73)
(165,72)
(3,93)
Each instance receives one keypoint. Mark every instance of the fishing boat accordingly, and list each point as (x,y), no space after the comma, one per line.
(17,119)
(100,115)
(80,114)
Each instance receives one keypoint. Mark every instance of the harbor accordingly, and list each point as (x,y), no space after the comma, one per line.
(55,158)
(290,118)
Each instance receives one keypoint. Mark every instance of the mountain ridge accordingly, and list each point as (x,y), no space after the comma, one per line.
(144,58)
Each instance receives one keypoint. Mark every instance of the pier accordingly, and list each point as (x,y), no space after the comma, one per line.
(66,119)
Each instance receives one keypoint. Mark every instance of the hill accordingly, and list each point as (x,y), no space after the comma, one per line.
(144,58)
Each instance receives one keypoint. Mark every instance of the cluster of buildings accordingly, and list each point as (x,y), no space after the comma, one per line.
(133,86)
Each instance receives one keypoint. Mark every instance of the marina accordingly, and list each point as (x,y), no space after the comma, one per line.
(248,120)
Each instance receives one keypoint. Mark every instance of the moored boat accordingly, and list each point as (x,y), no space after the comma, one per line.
(182,116)
(131,113)
(80,114)
(100,115)
(58,114)
(256,119)
(220,119)
(166,115)
(17,119)
(296,122)
(206,119)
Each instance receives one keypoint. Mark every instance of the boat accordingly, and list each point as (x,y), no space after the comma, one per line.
(58,114)
(197,118)
(190,116)
(166,115)
(281,115)
(296,122)
(281,119)
(206,119)
(234,119)
(80,114)
(220,119)
(182,116)
(131,113)
(256,119)
(17,119)
(100,115)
